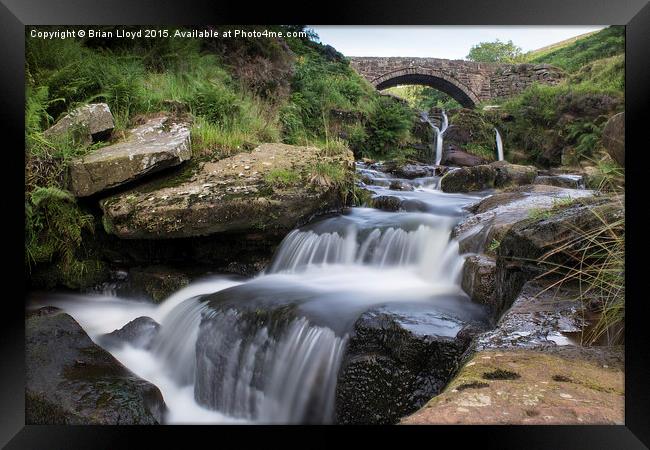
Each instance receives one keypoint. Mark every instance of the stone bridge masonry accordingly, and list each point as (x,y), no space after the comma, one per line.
(467,82)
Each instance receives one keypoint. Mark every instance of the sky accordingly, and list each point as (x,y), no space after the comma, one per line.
(448,42)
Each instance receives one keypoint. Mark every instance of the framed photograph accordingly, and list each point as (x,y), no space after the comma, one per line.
(409,216)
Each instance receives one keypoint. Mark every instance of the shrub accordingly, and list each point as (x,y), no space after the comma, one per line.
(387,129)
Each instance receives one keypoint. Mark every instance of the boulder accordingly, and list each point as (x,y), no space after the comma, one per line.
(399,185)
(71,380)
(138,333)
(396,360)
(272,189)
(512,174)
(570,156)
(159,143)
(614,138)
(564,180)
(479,273)
(86,124)
(408,171)
(386,203)
(468,179)
(453,156)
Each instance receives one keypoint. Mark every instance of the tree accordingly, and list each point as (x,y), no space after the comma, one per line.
(496,52)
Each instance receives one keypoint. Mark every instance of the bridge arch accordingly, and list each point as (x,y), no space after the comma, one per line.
(429,77)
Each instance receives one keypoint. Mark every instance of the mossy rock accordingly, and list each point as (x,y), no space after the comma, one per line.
(468,179)
(274,188)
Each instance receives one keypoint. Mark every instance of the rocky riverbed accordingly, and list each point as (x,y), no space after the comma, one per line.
(424,304)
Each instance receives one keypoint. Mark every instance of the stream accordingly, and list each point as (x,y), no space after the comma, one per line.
(269,349)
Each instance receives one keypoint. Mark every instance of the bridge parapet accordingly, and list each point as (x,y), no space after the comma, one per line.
(467,81)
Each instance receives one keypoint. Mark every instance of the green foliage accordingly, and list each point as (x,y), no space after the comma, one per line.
(607,42)
(319,88)
(494,246)
(54,227)
(423,98)
(482,150)
(387,129)
(608,177)
(545,117)
(605,75)
(585,135)
(495,52)
(282,177)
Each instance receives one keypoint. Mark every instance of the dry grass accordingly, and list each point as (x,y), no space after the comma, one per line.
(595,262)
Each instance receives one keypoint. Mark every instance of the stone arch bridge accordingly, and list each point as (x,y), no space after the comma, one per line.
(467,82)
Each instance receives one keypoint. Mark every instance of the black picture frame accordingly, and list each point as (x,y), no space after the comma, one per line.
(635,14)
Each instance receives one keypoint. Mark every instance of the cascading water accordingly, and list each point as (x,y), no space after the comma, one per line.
(269,349)
(438,134)
(499,145)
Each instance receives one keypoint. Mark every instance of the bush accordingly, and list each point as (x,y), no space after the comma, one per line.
(387,129)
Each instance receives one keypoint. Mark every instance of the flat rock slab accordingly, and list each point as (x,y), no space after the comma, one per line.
(273,188)
(84,123)
(570,385)
(159,143)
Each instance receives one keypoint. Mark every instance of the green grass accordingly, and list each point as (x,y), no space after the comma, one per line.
(546,213)
(478,149)
(571,57)
(282,177)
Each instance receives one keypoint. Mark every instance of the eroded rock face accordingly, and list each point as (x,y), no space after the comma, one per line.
(614,138)
(395,361)
(85,124)
(541,316)
(159,143)
(274,188)
(70,380)
(479,274)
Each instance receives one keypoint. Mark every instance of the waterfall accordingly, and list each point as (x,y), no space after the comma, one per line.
(438,134)
(426,249)
(268,370)
(499,146)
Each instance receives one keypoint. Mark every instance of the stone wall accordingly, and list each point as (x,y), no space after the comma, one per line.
(468,82)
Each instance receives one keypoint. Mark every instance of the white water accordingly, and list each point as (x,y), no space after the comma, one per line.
(236,357)
(499,146)
(438,134)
